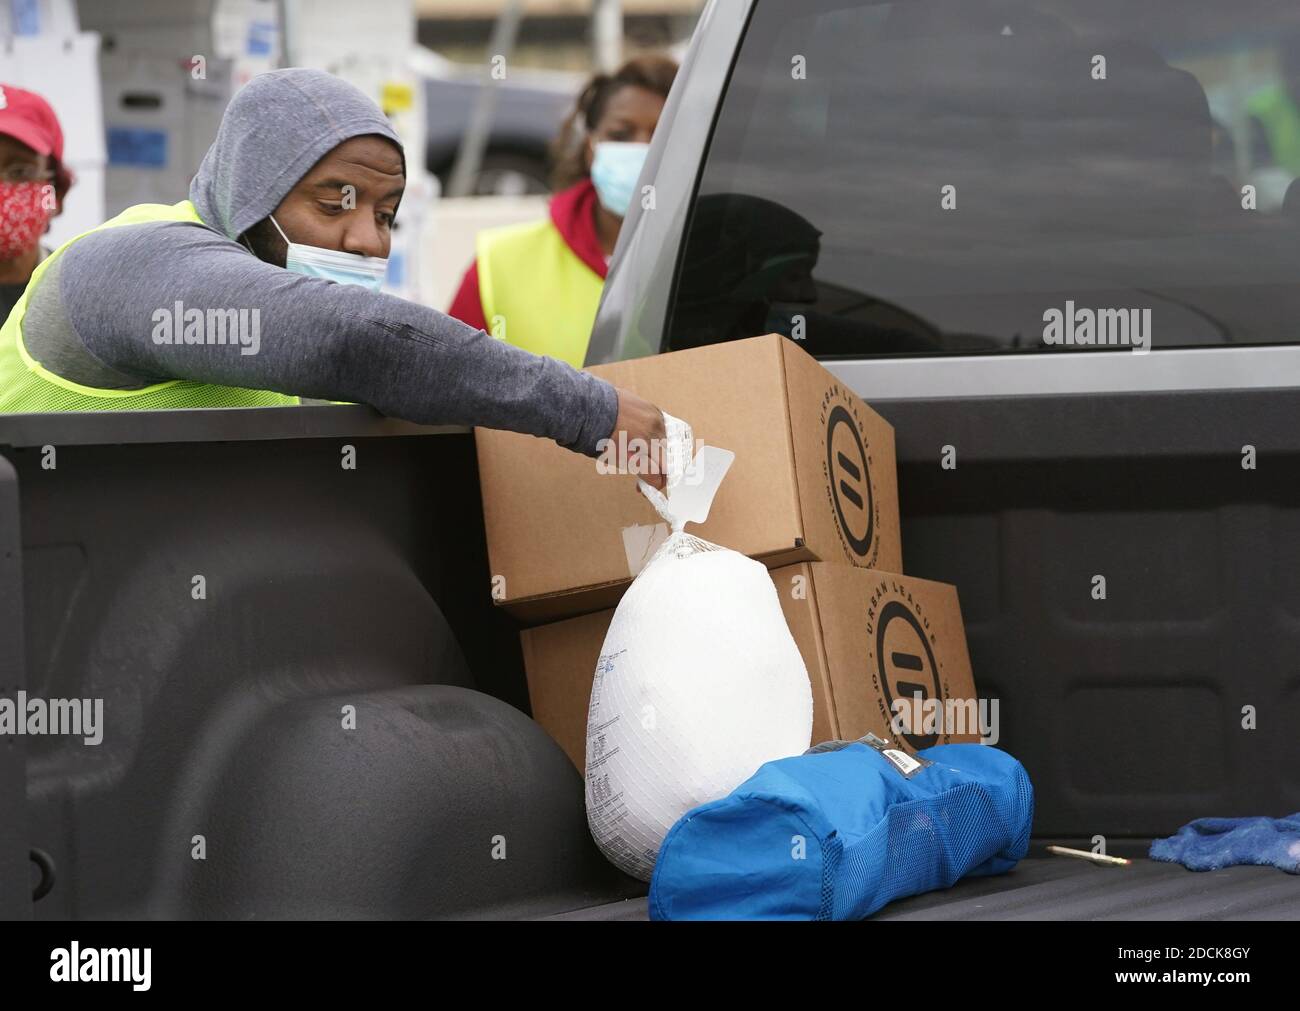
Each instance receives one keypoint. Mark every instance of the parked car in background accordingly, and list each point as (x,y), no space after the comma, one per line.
(530,107)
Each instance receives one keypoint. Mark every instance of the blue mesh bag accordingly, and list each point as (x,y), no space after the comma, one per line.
(836,833)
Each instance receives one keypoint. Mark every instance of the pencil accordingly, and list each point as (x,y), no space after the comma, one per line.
(1096,858)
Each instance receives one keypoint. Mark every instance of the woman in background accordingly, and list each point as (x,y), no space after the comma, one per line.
(33,183)
(537,285)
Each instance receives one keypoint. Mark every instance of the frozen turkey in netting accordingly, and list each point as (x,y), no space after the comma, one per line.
(699,681)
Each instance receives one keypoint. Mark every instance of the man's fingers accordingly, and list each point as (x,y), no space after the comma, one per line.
(645,432)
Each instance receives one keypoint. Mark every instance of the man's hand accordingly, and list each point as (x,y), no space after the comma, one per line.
(638,439)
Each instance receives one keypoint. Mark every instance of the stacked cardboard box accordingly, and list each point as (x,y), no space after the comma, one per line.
(812,494)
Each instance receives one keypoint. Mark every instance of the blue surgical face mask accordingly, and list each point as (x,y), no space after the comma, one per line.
(333,265)
(615,168)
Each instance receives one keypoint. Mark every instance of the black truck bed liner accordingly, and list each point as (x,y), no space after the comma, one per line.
(1127,721)
(1047,887)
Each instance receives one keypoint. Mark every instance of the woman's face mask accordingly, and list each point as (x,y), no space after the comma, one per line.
(24,214)
(615,168)
(333,265)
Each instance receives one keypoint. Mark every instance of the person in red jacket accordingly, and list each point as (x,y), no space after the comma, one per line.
(538,285)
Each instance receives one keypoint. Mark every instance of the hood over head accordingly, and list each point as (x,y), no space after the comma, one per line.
(275,129)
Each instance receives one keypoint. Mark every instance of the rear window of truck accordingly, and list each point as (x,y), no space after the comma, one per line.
(956,177)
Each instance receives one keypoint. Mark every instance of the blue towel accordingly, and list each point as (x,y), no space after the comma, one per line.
(1210,843)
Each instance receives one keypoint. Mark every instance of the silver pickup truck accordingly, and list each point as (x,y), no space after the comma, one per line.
(317,712)
(1050,243)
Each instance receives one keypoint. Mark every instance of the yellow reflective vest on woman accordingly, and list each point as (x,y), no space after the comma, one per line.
(539,284)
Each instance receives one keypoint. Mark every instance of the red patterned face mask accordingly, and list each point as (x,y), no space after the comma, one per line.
(24,213)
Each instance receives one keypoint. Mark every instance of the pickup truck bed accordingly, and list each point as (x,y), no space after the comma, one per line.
(370,587)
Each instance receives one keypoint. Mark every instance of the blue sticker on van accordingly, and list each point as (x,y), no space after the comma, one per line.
(26,17)
(261,38)
(136,146)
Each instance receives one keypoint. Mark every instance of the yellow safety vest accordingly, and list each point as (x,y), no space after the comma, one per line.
(26,386)
(536,293)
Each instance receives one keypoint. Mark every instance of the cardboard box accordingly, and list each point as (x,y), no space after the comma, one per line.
(814,479)
(869,638)
(560,663)
(866,637)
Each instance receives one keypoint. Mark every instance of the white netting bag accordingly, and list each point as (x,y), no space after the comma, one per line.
(699,683)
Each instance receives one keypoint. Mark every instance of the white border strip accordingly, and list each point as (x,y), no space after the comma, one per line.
(1216,368)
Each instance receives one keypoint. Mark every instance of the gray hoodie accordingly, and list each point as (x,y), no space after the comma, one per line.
(90,319)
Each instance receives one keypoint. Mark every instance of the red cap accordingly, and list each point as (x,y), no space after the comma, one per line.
(28,118)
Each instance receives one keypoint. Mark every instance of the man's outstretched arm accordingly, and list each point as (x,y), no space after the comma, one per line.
(315,339)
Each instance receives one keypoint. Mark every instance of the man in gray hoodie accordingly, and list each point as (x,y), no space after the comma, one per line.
(304,168)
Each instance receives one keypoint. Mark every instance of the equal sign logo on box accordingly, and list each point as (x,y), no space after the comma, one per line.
(848,477)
